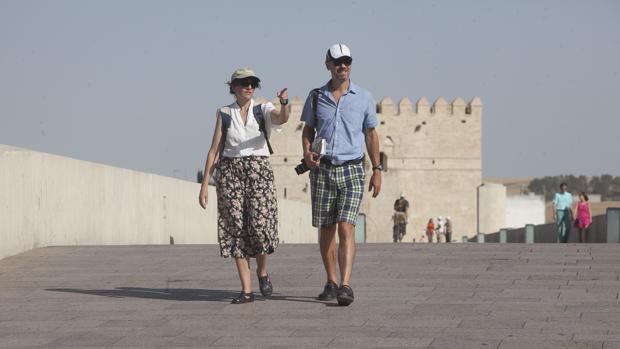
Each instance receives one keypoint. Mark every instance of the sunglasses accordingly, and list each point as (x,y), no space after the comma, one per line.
(252,83)
(342,60)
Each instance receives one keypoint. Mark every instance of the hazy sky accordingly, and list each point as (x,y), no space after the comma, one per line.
(135,84)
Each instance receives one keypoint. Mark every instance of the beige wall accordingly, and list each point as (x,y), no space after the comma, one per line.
(50,200)
(491,203)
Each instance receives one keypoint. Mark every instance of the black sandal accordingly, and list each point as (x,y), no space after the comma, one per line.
(266,288)
(243,298)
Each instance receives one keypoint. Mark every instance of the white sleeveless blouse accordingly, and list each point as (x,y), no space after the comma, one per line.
(247,140)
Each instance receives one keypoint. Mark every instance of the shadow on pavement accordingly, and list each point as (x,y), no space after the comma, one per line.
(178,294)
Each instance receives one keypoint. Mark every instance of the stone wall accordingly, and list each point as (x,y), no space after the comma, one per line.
(50,200)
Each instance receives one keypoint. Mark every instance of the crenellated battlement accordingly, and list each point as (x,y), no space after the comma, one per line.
(440,107)
(385,107)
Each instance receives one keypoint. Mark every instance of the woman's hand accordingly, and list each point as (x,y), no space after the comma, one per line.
(203,197)
(283,94)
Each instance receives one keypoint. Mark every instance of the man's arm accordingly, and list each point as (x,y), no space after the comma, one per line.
(372,146)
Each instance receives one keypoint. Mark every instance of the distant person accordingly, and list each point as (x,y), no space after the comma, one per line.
(562,212)
(430,230)
(584,217)
(440,232)
(448,229)
(400,218)
(342,116)
(247,206)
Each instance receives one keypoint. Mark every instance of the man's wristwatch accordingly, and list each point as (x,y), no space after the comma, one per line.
(378,167)
(283,101)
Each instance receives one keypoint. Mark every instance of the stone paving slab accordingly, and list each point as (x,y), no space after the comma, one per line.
(407,296)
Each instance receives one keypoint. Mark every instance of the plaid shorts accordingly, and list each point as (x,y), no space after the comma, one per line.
(337,193)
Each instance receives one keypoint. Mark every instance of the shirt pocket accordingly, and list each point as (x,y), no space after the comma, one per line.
(354,116)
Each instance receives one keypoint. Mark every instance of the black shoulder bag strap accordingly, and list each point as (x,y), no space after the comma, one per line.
(226,120)
(260,118)
(315,105)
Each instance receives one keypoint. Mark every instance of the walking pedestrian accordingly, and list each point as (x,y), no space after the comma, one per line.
(341,115)
(584,217)
(246,196)
(562,212)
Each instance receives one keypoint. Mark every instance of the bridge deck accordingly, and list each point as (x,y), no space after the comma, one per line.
(430,296)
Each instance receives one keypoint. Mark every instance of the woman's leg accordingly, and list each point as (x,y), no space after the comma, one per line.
(261,261)
(243,267)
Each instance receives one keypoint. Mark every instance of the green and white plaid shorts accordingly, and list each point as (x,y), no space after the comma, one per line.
(337,193)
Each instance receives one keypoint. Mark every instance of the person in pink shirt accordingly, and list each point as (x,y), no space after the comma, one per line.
(584,218)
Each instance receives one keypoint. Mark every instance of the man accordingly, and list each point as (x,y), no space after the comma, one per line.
(448,229)
(344,116)
(562,212)
(400,217)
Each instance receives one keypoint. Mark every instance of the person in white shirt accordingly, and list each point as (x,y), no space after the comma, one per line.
(563,212)
(440,231)
(246,195)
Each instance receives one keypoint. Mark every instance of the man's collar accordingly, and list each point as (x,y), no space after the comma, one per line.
(352,87)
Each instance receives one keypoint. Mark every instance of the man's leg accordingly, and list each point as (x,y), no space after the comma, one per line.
(559,221)
(327,244)
(567,225)
(395,232)
(346,251)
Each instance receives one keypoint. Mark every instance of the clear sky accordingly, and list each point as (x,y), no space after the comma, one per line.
(135,84)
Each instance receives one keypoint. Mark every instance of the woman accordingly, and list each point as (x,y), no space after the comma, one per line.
(430,229)
(246,195)
(584,218)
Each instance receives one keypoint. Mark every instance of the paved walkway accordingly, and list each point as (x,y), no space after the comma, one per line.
(430,296)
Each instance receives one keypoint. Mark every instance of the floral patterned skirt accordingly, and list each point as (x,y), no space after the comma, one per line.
(247,207)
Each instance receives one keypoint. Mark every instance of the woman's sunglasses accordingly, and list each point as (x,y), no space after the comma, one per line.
(252,83)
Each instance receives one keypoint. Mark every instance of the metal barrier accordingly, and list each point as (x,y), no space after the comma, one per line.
(604,229)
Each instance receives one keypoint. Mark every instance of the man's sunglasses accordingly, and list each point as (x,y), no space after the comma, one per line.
(346,60)
(253,83)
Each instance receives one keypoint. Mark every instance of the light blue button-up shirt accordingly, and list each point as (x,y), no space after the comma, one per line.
(563,201)
(342,124)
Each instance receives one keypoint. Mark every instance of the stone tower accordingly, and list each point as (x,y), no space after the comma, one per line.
(432,153)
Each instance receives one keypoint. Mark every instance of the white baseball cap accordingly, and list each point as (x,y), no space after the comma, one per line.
(338,50)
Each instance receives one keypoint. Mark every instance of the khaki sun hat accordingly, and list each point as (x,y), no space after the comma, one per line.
(243,73)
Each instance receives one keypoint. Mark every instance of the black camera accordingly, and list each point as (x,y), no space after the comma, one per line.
(302,167)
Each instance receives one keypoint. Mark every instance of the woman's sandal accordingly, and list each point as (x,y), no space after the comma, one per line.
(243,298)
(266,288)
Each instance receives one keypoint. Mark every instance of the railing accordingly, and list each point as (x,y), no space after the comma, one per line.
(605,228)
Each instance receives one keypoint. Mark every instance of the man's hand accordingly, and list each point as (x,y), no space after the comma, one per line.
(375,183)
(312,160)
